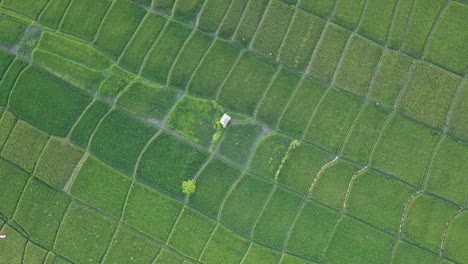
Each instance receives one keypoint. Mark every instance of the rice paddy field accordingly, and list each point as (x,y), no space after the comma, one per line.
(348,141)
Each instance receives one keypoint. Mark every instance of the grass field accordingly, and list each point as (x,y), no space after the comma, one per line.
(347,144)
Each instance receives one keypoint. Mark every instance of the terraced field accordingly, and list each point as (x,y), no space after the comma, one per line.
(348,141)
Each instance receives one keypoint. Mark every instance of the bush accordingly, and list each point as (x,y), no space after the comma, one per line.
(189,186)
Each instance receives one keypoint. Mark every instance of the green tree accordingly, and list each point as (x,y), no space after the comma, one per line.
(188,187)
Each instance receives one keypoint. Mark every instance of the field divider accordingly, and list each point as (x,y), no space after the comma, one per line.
(350,186)
(348,41)
(452,105)
(14,84)
(403,87)
(119,58)
(176,59)
(79,118)
(291,22)
(254,36)
(319,173)
(431,31)
(231,189)
(444,236)
(234,34)
(200,12)
(314,113)
(267,89)
(91,138)
(246,253)
(294,92)
(156,256)
(42,10)
(405,30)
(322,33)
(155,42)
(64,15)
(425,178)
(198,65)
(292,225)
(61,222)
(96,34)
(75,171)
(262,209)
(220,87)
(216,33)
(400,228)
(208,241)
(349,129)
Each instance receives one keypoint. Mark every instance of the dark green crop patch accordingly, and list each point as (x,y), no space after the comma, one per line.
(239,140)
(119,140)
(226,245)
(13,179)
(168,161)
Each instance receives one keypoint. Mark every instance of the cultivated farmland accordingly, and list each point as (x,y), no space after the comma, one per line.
(348,138)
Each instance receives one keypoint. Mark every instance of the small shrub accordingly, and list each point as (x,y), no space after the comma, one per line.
(189,186)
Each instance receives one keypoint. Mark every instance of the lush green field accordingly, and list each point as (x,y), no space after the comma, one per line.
(348,141)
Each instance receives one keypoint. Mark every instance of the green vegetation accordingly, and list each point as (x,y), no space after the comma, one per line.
(277,96)
(117,145)
(449,162)
(168,161)
(319,7)
(312,229)
(419,25)
(358,65)
(335,114)
(425,221)
(355,242)
(424,98)
(166,256)
(212,185)
(161,57)
(333,183)
(328,52)
(6,58)
(301,40)
(407,253)
(53,12)
(456,241)
(271,32)
(213,69)
(246,83)
(301,166)
(348,13)
(24,145)
(225,245)
(101,186)
(57,162)
(212,14)
(83,17)
(188,187)
(404,149)
(149,29)
(249,23)
(40,211)
(197,120)
(398,27)
(7,123)
(458,124)
(13,179)
(112,39)
(31,8)
(244,203)
(115,82)
(282,207)
(80,221)
(449,53)
(151,212)
(12,251)
(191,233)
(33,254)
(364,133)
(88,122)
(258,254)
(189,58)
(146,100)
(390,77)
(238,141)
(382,206)
(127,246)
(377,10)
(12,32)
(9,78)
(232,18)
(268,155)
(187,10)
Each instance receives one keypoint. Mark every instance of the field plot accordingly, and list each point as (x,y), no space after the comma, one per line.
(347,143)
(213,69)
